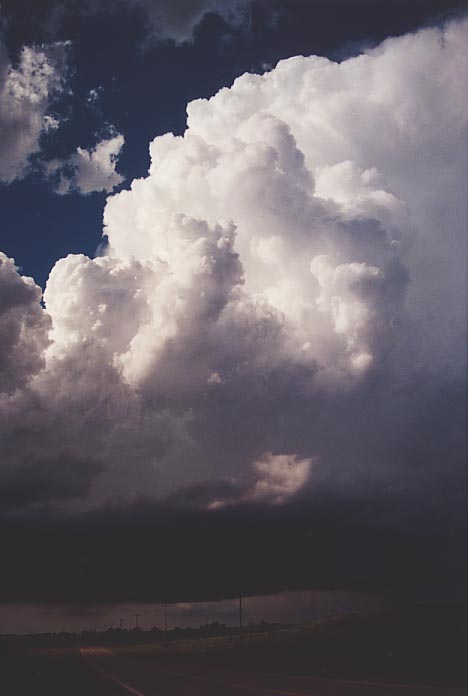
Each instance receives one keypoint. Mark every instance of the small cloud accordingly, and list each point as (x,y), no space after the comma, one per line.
(51,123)
(88,171)
(92,100)
(214,378)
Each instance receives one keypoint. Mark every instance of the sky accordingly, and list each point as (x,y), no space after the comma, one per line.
(232,302)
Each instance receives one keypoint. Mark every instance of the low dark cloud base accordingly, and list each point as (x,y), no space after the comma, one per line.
(156,553)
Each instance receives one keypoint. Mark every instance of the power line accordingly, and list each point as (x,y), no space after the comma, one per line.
(240,614)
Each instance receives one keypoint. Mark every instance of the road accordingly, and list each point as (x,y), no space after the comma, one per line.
(143,676)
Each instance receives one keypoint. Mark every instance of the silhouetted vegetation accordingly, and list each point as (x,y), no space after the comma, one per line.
(422,644)
(134,636)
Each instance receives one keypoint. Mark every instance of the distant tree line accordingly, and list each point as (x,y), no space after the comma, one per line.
(120,636)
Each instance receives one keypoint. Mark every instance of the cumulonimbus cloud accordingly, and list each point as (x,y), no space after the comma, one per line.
(279,282)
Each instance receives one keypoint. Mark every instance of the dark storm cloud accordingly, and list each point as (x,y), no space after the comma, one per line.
(163,20)
(41,481)
(153,553)
(177,20)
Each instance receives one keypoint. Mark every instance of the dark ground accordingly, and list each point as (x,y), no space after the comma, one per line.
(419,645)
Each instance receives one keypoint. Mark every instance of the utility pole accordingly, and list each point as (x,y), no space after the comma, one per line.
(165,617)
(240,614)
(137,616)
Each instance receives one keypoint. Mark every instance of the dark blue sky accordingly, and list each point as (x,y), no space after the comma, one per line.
(144,89)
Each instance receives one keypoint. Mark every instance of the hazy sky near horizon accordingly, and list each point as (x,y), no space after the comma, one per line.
(232,297)
(286,607)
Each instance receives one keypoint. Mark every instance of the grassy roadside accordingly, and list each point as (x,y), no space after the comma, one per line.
(420,645)
(62,672)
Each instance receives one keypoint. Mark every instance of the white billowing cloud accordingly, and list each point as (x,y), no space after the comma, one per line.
(255,175)
(299,249)
(354,296)
(88,171)
(27,91)
(358,193)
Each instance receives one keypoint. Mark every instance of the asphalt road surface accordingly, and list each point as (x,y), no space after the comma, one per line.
(143,676)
